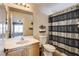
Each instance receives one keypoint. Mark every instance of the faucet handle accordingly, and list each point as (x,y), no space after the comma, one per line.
(22,38)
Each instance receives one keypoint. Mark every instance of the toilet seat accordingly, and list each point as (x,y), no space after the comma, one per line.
(49,47)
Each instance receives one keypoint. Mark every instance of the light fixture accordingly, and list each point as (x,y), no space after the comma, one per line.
(27,5)
(23,4)
(18,3)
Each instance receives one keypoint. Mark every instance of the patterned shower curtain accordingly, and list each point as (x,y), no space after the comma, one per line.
(64,30)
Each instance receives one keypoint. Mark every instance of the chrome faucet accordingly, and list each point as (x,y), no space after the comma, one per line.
(22,38)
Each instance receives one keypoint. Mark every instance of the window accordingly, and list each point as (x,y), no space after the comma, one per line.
(17,26)
(17,29)
(0,28)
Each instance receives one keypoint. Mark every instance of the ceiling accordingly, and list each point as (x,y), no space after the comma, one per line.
(50,8)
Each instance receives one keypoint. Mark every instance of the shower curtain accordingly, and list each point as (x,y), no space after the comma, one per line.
(64,30)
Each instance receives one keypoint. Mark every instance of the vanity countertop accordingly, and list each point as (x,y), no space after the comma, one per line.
(14,42)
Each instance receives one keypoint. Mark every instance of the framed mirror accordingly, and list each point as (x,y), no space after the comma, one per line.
(21,24)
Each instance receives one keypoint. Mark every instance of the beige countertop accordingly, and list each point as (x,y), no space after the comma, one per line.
(14,42)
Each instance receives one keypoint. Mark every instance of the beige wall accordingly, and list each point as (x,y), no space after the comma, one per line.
(39,19)
(26,22)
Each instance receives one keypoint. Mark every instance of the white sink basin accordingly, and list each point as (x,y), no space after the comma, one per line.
(22,42)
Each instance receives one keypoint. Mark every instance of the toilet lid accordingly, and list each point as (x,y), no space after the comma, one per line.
(49,47)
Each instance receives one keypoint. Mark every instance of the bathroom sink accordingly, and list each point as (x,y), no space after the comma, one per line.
(22,42)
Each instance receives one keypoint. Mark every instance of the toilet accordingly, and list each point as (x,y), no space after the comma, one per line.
(47,49)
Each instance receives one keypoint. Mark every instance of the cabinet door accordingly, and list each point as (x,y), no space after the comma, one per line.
(24,52)
(16,53)
(36,50)
(33,50)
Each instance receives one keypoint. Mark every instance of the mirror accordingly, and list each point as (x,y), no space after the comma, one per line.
(20,23)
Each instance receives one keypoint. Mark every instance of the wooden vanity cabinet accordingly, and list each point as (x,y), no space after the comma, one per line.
(31,50)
